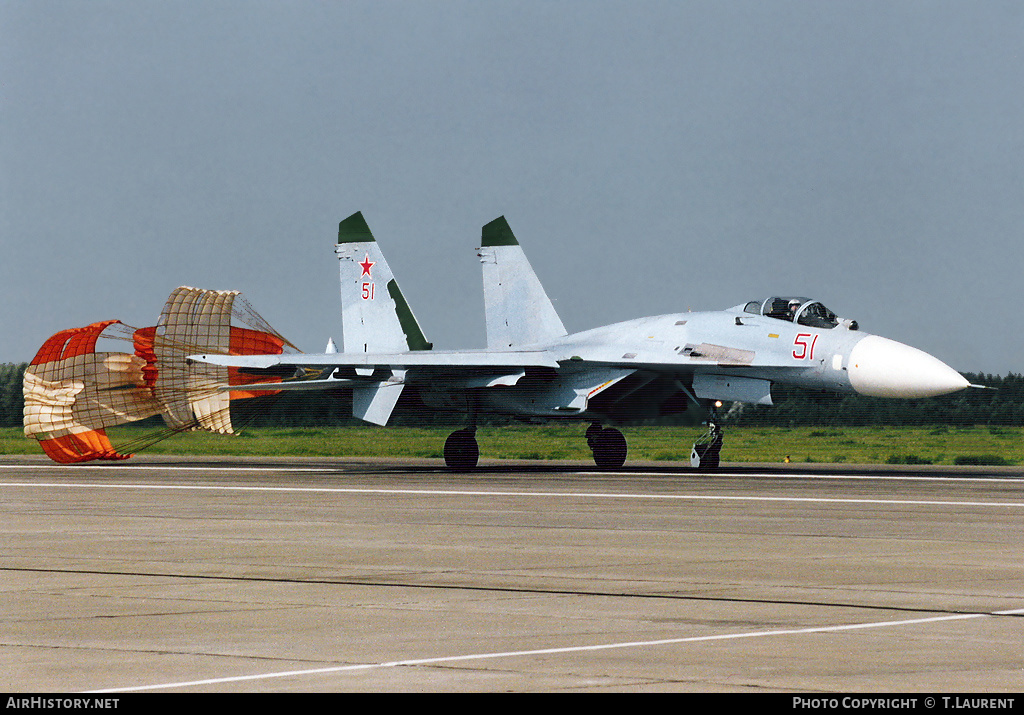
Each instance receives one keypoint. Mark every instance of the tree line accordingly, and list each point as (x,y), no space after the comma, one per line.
(11,401)
(1003,405)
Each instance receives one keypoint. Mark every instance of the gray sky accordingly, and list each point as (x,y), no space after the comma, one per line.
(651,157)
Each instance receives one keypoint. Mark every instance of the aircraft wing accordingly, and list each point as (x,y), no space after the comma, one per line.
(486,359)
(377,379)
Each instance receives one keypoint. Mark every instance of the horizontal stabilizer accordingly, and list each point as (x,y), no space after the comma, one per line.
(299,385)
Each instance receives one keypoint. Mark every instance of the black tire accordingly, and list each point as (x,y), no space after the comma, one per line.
(461,451)
(609,447)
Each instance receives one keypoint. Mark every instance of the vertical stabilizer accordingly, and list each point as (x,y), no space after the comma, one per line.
(375,314)
(517,310)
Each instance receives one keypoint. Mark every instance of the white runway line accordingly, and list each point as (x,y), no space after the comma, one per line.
(549,651)
(502,493)
(942,477)
(174,467)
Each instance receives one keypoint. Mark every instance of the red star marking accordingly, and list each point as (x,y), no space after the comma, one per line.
(366,265)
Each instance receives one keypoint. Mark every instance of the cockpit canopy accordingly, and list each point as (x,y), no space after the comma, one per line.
(803,311)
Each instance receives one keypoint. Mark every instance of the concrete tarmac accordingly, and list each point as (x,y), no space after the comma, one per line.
(240,575)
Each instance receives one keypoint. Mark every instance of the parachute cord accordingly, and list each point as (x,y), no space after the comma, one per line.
(145,441)
(150,439)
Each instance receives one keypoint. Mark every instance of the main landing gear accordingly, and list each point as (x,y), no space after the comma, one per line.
(608,446)
(461,451)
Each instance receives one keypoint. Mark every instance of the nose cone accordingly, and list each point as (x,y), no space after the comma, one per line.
(885,368)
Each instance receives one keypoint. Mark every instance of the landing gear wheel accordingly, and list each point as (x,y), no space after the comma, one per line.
(707,450)
(609,447)
(461,450)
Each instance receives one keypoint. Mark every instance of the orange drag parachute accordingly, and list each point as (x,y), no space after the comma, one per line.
(74,393)
(200,321)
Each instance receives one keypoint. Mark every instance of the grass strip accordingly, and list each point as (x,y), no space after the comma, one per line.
(979,445)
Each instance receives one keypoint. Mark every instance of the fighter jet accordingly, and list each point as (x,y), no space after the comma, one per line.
(533,369)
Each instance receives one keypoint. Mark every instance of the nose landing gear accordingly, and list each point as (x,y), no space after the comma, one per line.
(708,448)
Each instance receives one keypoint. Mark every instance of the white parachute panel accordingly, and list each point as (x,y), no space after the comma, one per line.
(194,320)
(85,392)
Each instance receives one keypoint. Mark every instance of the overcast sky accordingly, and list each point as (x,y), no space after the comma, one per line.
(651,157)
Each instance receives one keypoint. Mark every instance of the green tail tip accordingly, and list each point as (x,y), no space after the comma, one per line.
(498,233)
(354,230)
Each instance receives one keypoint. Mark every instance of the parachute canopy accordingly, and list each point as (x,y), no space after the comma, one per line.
(199,321)
(73,393)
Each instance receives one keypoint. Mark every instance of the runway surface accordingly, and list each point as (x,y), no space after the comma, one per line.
(171,574)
